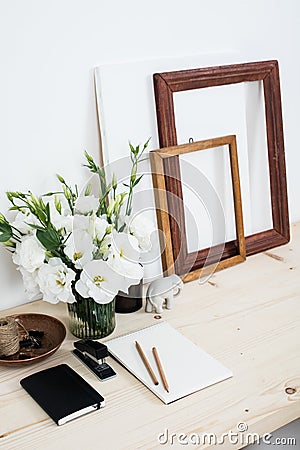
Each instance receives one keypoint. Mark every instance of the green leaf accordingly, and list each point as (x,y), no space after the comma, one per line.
(146,143)
(122,228)
(35,227)
(50,239)
(137,180)
(144,159)
(49,194)
(21,195)
(41,215)
(5,232)
(92,166)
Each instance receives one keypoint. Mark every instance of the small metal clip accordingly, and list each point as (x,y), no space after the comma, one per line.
(191,140)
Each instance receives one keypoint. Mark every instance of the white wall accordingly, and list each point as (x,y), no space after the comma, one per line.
(48,51)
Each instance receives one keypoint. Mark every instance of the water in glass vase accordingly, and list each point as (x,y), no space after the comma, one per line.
(91,320)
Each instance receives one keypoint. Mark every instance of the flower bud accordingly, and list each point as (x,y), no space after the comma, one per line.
(57,203)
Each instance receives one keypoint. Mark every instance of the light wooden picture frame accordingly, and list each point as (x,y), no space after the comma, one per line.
(166,178)
(167,83)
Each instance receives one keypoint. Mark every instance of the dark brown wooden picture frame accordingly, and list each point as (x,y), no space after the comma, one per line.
(165,84)
(171,218)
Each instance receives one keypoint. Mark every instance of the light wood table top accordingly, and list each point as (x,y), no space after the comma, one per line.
(248,317)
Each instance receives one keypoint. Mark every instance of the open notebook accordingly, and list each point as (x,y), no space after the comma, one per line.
(188,368)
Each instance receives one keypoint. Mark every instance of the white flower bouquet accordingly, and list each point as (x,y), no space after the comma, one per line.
(65,243)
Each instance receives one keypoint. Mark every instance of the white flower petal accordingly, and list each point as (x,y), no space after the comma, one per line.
(101,226)
(142,228)
(84,224)
(22,222)
(79,248)
(32,290)
(125,246)
(55,280)
(101,281)
(82,289)
(129,273)
(86,204)
(29,253)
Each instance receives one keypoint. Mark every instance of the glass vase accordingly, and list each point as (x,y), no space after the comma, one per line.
(89,319)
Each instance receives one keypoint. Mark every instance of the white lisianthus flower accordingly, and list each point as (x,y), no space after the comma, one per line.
(123,258)
(29,253)
(141,228)
(125,246)
(84,223)
(130,273)
(101,227)
(55,280)
(32,290)
(86,204)
(79,248)
(22,222)
(98,281)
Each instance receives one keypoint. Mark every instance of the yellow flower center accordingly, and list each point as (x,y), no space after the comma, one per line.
(60,280)
(98,280)
(77,255)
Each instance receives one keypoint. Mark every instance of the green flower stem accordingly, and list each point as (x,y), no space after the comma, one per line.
(60,254)
(89,319)
(135,155)
(70,196)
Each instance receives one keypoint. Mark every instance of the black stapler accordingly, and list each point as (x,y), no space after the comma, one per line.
(93,354)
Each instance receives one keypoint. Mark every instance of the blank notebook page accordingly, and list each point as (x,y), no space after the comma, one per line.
(187,367)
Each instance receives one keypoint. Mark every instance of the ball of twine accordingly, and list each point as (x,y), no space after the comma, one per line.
(9,337)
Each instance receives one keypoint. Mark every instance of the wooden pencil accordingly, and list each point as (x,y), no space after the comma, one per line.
(146,363)
(160,368)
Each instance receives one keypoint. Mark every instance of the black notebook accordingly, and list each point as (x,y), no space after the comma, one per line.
(62,393)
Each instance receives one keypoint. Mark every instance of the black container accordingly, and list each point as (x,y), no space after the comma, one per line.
(131,302)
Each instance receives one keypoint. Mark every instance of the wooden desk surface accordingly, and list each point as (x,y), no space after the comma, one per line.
(247,316)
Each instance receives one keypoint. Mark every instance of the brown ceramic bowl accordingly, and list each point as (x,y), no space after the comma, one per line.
(54,334)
